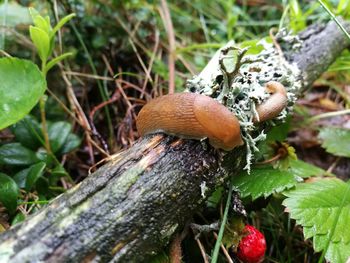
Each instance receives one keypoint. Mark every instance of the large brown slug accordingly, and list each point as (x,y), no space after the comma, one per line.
(196,116)
(191,116)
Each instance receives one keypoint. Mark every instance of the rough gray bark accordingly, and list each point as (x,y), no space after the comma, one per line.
(131,207)
(322,44)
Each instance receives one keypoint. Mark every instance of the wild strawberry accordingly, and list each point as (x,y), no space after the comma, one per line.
(252,247)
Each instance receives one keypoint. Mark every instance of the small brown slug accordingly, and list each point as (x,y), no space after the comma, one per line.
(191,116)
(274,104)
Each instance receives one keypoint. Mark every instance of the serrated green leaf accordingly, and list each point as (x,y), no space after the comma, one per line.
(16,154)
(58,134)
(41,41)
(323,209)
(21,86)
(263,182)
(304,170)
(337,252)
(336,140)
(8,192)
(35,171)
(28,132)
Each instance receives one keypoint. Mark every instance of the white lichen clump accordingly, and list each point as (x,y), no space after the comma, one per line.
(237,80)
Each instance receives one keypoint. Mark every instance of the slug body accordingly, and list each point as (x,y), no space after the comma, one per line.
(274,104)
(191,116)
(196,116)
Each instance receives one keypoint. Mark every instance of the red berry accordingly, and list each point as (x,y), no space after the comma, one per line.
(252,247)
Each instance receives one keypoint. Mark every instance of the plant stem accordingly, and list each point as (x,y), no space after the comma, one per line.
(328,115)
(44,126)
(222,227)
(334,18)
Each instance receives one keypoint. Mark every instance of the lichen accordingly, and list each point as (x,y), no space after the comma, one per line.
(237,81)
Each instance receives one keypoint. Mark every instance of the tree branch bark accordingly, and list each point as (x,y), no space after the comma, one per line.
(132,206)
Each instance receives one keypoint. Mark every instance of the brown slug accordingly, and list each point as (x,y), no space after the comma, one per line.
(196,116)
(191,116)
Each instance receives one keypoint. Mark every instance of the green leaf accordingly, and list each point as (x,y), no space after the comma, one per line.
(41,23)
(56,174)
(323,209)
(215,197)
(41,41)
(280,132)
(297,19)
(8,192)
(35,171)
(33,13)
(61,23)
(343,7)
(21,177)
(72,142)
(336,140)
(16,154)
(54,61)
(28,132)
(21,86)
(42,186)
(305,170)
(263,182)
(58,134)
(18,218)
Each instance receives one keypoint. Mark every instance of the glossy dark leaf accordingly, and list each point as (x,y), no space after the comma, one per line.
(72,142)
(17,154)
(8,192)
(28,132)
(35,172)
(58,134)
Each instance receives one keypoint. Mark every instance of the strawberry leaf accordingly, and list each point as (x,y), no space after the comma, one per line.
(305,170)
(336,140)
(263,182)
(323,209)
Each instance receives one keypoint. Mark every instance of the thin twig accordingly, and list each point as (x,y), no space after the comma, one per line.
(202,250)
(154,52)
(165,15)
(227,255)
